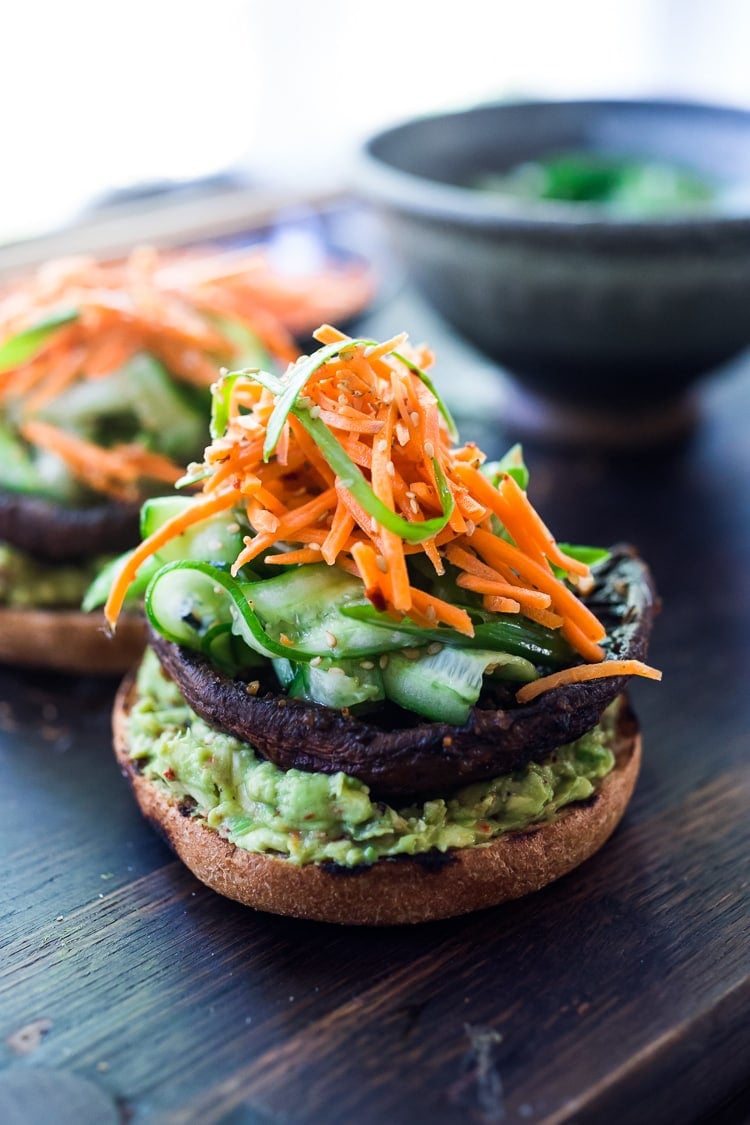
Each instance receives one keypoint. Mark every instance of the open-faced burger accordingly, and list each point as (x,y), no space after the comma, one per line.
(378,690)
(105,370)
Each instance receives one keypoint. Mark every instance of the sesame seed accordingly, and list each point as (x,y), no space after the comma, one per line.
(316,661)
(390,468)
(414,506)
(470,527)
(381,564)
(434,648)
(429,449)
(382,445)
(367,665)
(331,640)
(411,653)
(383,661)
(253,687)
(414,418)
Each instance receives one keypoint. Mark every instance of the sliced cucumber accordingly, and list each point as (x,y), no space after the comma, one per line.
(224,649)
(333,683)
(444,686)
(23,469)
(185,607)
(98,591)
(185,600)
(496,632)
(164,412)
(306,605)
(217,540)
(140,399)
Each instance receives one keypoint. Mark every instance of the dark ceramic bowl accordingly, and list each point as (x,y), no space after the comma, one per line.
(589,310)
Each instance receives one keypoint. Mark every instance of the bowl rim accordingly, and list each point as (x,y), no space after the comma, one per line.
(384,185)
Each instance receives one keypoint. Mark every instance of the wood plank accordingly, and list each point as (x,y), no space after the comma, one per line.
(620,993)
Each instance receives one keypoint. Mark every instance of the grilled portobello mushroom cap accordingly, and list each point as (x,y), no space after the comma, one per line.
(52,531)
(396,753)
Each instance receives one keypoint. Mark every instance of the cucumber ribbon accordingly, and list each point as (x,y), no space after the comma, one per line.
(168,605)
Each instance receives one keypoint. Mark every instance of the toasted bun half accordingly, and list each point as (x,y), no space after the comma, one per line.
(391,891)
(70,641)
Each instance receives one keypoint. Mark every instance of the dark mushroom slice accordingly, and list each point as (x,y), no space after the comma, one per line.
(52,531)
(398,755)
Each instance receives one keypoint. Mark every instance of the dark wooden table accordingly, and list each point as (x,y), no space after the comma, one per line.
(620,994)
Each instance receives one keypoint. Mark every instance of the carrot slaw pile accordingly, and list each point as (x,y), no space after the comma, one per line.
(350,459)
(246,284)
(80,319)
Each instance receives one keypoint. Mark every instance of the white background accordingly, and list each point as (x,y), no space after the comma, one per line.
(98,95)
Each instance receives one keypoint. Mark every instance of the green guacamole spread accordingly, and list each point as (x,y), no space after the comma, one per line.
(314,817)
(26,582)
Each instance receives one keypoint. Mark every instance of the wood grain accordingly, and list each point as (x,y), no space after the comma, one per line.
(619,994)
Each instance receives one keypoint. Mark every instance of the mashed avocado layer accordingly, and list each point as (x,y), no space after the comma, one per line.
(314,817)
(26,582)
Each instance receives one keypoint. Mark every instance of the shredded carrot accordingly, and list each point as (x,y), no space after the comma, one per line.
(543,617)
(169,305)
(563,600)
(342,526)
(583,672)
(104,470)
(458,619)
(367,564)
(502,605)
(532,598)
(583,644)
(388,422)
(392,546)
(294,558)
(519,504)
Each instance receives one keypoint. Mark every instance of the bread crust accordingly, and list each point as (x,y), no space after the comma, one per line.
(66,640)
(392,891)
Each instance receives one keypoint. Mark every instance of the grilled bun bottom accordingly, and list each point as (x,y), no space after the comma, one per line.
(400,890)
(67,640)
